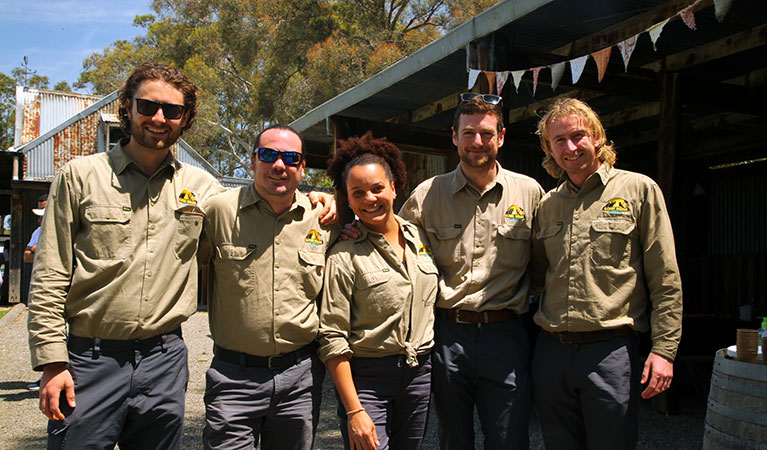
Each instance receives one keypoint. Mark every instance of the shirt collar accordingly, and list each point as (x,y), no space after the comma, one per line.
(408,230)
(602,175)
(251,197)
(460,181)
(121,160)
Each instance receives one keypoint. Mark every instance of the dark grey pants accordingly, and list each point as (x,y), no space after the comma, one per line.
(487,366)
(395,396)
(127,392)
(587,395)
(278,407)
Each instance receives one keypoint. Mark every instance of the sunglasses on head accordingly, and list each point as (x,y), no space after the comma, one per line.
(487,98)
(270,155)
(149,108)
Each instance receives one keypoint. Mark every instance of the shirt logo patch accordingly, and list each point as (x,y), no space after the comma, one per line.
(251,246)
(126,208)
(515,213)
(616,205)
(313,237)
(187,198)
(424,250)
(385,269)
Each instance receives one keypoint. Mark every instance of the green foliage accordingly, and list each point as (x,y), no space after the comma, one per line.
(258,62)
(7,110)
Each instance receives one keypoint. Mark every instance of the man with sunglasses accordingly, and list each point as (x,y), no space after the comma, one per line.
(116,275)
(478,219)
(266,248)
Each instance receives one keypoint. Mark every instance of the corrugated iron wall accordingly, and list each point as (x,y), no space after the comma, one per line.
(738,214)
(44,110)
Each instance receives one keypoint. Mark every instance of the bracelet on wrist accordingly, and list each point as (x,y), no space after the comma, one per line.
(354,411)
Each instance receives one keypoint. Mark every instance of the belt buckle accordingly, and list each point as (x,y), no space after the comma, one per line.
(458,318)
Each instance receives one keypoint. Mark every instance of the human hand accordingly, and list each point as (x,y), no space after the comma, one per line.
(56,379)
(329,214)
(351,231)
(362,432)
(659,371)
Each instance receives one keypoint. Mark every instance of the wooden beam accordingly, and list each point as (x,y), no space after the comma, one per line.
(426,111)
(730,45)
(532,110)
(668,133)
(627,115)
(628,28)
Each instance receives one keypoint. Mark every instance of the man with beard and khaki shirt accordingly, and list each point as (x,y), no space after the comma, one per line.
(115,275)
(266,249)
(604,241)
(478,219)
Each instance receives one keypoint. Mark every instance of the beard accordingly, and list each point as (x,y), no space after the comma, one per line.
(484,161)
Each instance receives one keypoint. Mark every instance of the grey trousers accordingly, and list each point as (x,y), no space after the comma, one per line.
(487,366)
(587,395)
(395,396)
(278,407)
(127,392)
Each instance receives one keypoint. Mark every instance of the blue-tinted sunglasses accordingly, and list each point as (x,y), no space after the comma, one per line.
(270,155)
(487,98)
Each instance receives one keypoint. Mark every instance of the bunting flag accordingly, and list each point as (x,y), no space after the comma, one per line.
(576,67)
(490,78)
(517,77)
(557,71)
(627,48)
(655,32)
(688,16)
(602,57)
(536,71)
(500,80)
(473,74)
(721,8)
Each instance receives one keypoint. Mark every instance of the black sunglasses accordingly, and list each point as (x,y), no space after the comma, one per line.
(149,108)
(487,98)
(270,155)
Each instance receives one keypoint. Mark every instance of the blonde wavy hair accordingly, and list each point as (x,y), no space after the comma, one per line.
(565,107)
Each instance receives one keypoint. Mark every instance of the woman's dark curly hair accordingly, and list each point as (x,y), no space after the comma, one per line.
(360,151)
(169,74)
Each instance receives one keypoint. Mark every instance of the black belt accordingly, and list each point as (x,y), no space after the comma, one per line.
(475,317)
(276,362)
(588,337)
(108,345)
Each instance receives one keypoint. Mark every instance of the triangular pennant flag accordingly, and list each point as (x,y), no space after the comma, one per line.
(602,57)
(557,71)
(500,80)
(576,67)
(473,74)
(688,16)
(655,32)
(490,76)
(627,48)
(721,8)
(517,77)
(536,71)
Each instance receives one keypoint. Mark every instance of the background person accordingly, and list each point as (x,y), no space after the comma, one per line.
(604,241)
(377,313)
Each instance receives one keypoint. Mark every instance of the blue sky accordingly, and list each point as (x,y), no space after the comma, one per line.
(57,35)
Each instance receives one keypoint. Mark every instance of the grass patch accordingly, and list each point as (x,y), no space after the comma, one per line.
(4,311)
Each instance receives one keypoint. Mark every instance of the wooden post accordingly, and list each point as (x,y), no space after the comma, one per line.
(18,246)
(668,133)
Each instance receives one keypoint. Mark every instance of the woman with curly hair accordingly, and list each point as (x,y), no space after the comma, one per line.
(377,313)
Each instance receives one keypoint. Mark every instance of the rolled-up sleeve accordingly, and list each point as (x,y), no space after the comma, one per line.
(336,308)
(52,274)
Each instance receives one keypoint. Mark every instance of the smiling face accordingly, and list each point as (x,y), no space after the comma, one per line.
(478,140)
(573,148)
(371,196)
(276,180)
(156,132)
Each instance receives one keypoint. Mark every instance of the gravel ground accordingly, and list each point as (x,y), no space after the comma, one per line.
(22,426)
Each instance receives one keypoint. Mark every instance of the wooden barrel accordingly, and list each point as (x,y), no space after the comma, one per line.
(736,417)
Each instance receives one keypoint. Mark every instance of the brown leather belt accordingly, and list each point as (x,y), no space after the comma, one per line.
(588,337)
(276,362)
(477,317)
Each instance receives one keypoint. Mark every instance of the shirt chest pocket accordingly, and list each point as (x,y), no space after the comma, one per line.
(312,266)
(445,244)
(235,269)
(611,241)
(108,232)
(376,296)
(188,227)
(513,244)
(427,284)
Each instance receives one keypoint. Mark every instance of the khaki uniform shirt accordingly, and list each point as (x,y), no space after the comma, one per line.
(481,241)
(267,272)
(608,247)
(373,304)
(116,256)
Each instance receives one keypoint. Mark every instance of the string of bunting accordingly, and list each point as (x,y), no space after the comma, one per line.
(601,57)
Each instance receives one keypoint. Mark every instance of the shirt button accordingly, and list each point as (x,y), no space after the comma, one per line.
(146,298)
(149,274)
(151,227)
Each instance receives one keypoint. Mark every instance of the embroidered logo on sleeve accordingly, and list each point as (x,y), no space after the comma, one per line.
(616,205)
(187,198)
(313,237)
(515,213)
(424,250)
